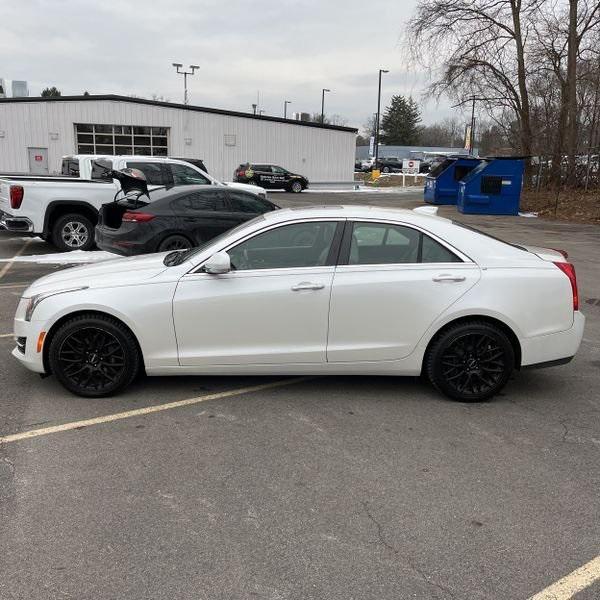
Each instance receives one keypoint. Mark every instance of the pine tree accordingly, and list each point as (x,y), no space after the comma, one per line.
(400,123)
(52,92)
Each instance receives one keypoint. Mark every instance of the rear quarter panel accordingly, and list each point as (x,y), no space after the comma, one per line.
(533,301)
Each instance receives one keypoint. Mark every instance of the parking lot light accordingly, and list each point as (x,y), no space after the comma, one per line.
(378,116)
(193,68)
(286,102)
(323,104)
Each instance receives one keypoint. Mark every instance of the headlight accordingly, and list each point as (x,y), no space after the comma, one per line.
(263,195)
(35,300)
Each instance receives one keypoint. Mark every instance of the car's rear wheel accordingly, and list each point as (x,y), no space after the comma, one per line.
(94,356)
(174,242)
(73,232)
(471,361)
(296,187)
(386,169)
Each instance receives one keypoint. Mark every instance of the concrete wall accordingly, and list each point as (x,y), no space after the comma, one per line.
(319,154)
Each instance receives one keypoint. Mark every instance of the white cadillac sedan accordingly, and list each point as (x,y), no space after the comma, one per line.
(319,290)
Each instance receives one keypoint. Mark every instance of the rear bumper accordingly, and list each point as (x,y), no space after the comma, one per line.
(555,348)
(111,241)
(15,224)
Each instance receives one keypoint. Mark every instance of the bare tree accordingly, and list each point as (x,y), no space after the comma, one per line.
(481,45)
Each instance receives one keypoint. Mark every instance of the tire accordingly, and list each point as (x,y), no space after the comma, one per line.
(174,242)
(94,356)
(385,170)
(73,232)
(470,361)
(295,187)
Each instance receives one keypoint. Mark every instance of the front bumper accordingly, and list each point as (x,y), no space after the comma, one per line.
(28,333)
(543,350)
(15,224)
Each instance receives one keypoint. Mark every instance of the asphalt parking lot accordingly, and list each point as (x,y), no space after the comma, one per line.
(313,488)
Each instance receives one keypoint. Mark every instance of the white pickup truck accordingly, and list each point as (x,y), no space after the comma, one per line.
(64,209)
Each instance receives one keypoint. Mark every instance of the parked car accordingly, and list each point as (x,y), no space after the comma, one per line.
(271,177)
(318,290)
(174,218)
(389,164)
(64,210)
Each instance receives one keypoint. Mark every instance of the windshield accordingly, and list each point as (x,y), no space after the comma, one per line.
(179,256)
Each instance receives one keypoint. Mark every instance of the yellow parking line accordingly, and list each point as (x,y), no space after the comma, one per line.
(9,264)
(15,437)
(5,335)
(12,286)
(573,583)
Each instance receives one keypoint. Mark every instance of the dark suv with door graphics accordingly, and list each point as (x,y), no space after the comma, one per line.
(271,177)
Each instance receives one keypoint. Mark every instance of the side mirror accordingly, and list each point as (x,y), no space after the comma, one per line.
(218,264)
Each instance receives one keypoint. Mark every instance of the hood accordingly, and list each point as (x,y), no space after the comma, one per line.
(246,187)
(109,273)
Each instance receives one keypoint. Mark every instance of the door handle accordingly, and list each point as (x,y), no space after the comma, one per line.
(307,285)
(445,277)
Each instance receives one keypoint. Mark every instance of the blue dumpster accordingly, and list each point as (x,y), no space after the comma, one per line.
(441,184)
(493,187)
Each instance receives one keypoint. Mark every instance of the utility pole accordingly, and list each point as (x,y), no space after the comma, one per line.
(323,104)
(472,139)
(286,102)
(185,75)
(377,119)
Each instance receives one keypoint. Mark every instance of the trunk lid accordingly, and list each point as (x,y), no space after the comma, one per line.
(548,254)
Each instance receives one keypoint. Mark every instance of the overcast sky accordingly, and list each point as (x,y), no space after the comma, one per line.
(286,49)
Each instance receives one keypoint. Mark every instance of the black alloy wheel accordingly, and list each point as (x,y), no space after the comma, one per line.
(296,187)
(471,361)
(174,242)
(94,356)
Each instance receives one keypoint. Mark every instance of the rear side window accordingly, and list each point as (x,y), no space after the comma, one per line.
(70,167)
(248,203)
(152,171)
(262,168)
(183,175)
(382,243)
(491,184)
(199,201)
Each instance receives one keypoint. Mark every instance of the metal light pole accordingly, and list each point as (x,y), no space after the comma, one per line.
(472,137)
(254,109)
(286,102)
(323,104)
(377,121)
(185,74)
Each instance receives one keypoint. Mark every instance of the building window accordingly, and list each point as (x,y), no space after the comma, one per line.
(121,139)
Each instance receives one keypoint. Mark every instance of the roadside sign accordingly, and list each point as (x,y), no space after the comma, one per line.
(372,146)
(410,165)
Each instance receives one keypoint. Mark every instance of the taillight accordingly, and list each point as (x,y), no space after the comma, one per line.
(137,217)
(569,270)
(16,196)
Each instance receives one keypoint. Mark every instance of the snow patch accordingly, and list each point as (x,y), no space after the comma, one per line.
(529,215)
(75,257)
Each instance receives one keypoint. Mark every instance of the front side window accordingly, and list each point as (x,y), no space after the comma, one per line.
(381,243)
(183,175)
(288,246)
(279,170)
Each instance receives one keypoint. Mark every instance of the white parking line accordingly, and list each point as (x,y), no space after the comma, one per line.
(15,437)
(12,286)
(5,269)
(573,583)
(5,335)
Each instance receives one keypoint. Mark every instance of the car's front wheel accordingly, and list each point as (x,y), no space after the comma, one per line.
(94,355)
(470,361)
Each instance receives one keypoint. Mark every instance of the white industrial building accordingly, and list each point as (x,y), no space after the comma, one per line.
(36,132)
